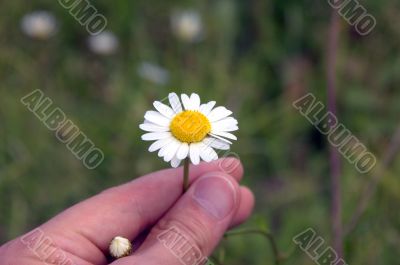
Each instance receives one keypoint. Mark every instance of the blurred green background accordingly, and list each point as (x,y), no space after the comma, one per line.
(254,57)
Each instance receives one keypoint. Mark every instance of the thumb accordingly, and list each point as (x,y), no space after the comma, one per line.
(190,231)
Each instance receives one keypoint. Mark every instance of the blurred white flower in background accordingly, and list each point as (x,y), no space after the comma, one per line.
(153,73)
(187,25)
(105,43)
(39,25)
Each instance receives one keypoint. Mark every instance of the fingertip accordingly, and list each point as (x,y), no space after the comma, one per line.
(245,208)
(232,166)
(218,190)
(229,165)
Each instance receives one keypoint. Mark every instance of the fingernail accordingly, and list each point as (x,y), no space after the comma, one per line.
(215,195)
(229,164)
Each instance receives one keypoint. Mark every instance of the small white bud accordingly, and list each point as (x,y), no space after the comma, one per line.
(120,247)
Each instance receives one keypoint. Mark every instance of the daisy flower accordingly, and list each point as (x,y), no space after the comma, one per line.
(39,25)
(105,43)
(153,73)
(187,25)
(188,130)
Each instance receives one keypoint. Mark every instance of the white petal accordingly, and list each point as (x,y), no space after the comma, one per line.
(225,134)
(175,162)
(195,101)
(175,103)
(148,122)
(171,151)
(194,153)
(207,153)
(221,138)
(155,136)
(159,144)
(227,129)
(183,151)
(186,102)
(164,109)
(216,143)
(156,118)
(229,120)
(228,125)
(224,129)
(164,149)
(150,127)
(206,108)
(218,113)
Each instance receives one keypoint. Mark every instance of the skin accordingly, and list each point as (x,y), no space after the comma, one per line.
(152,203)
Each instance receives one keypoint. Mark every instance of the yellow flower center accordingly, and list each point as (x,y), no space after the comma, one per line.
(190,126)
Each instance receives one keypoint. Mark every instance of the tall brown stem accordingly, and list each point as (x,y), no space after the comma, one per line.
(334,157)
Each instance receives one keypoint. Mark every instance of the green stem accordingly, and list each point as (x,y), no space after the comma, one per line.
(266,234)
(215,260)
(186,174)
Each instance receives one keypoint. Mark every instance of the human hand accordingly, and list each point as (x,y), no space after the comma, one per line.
(194,221)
